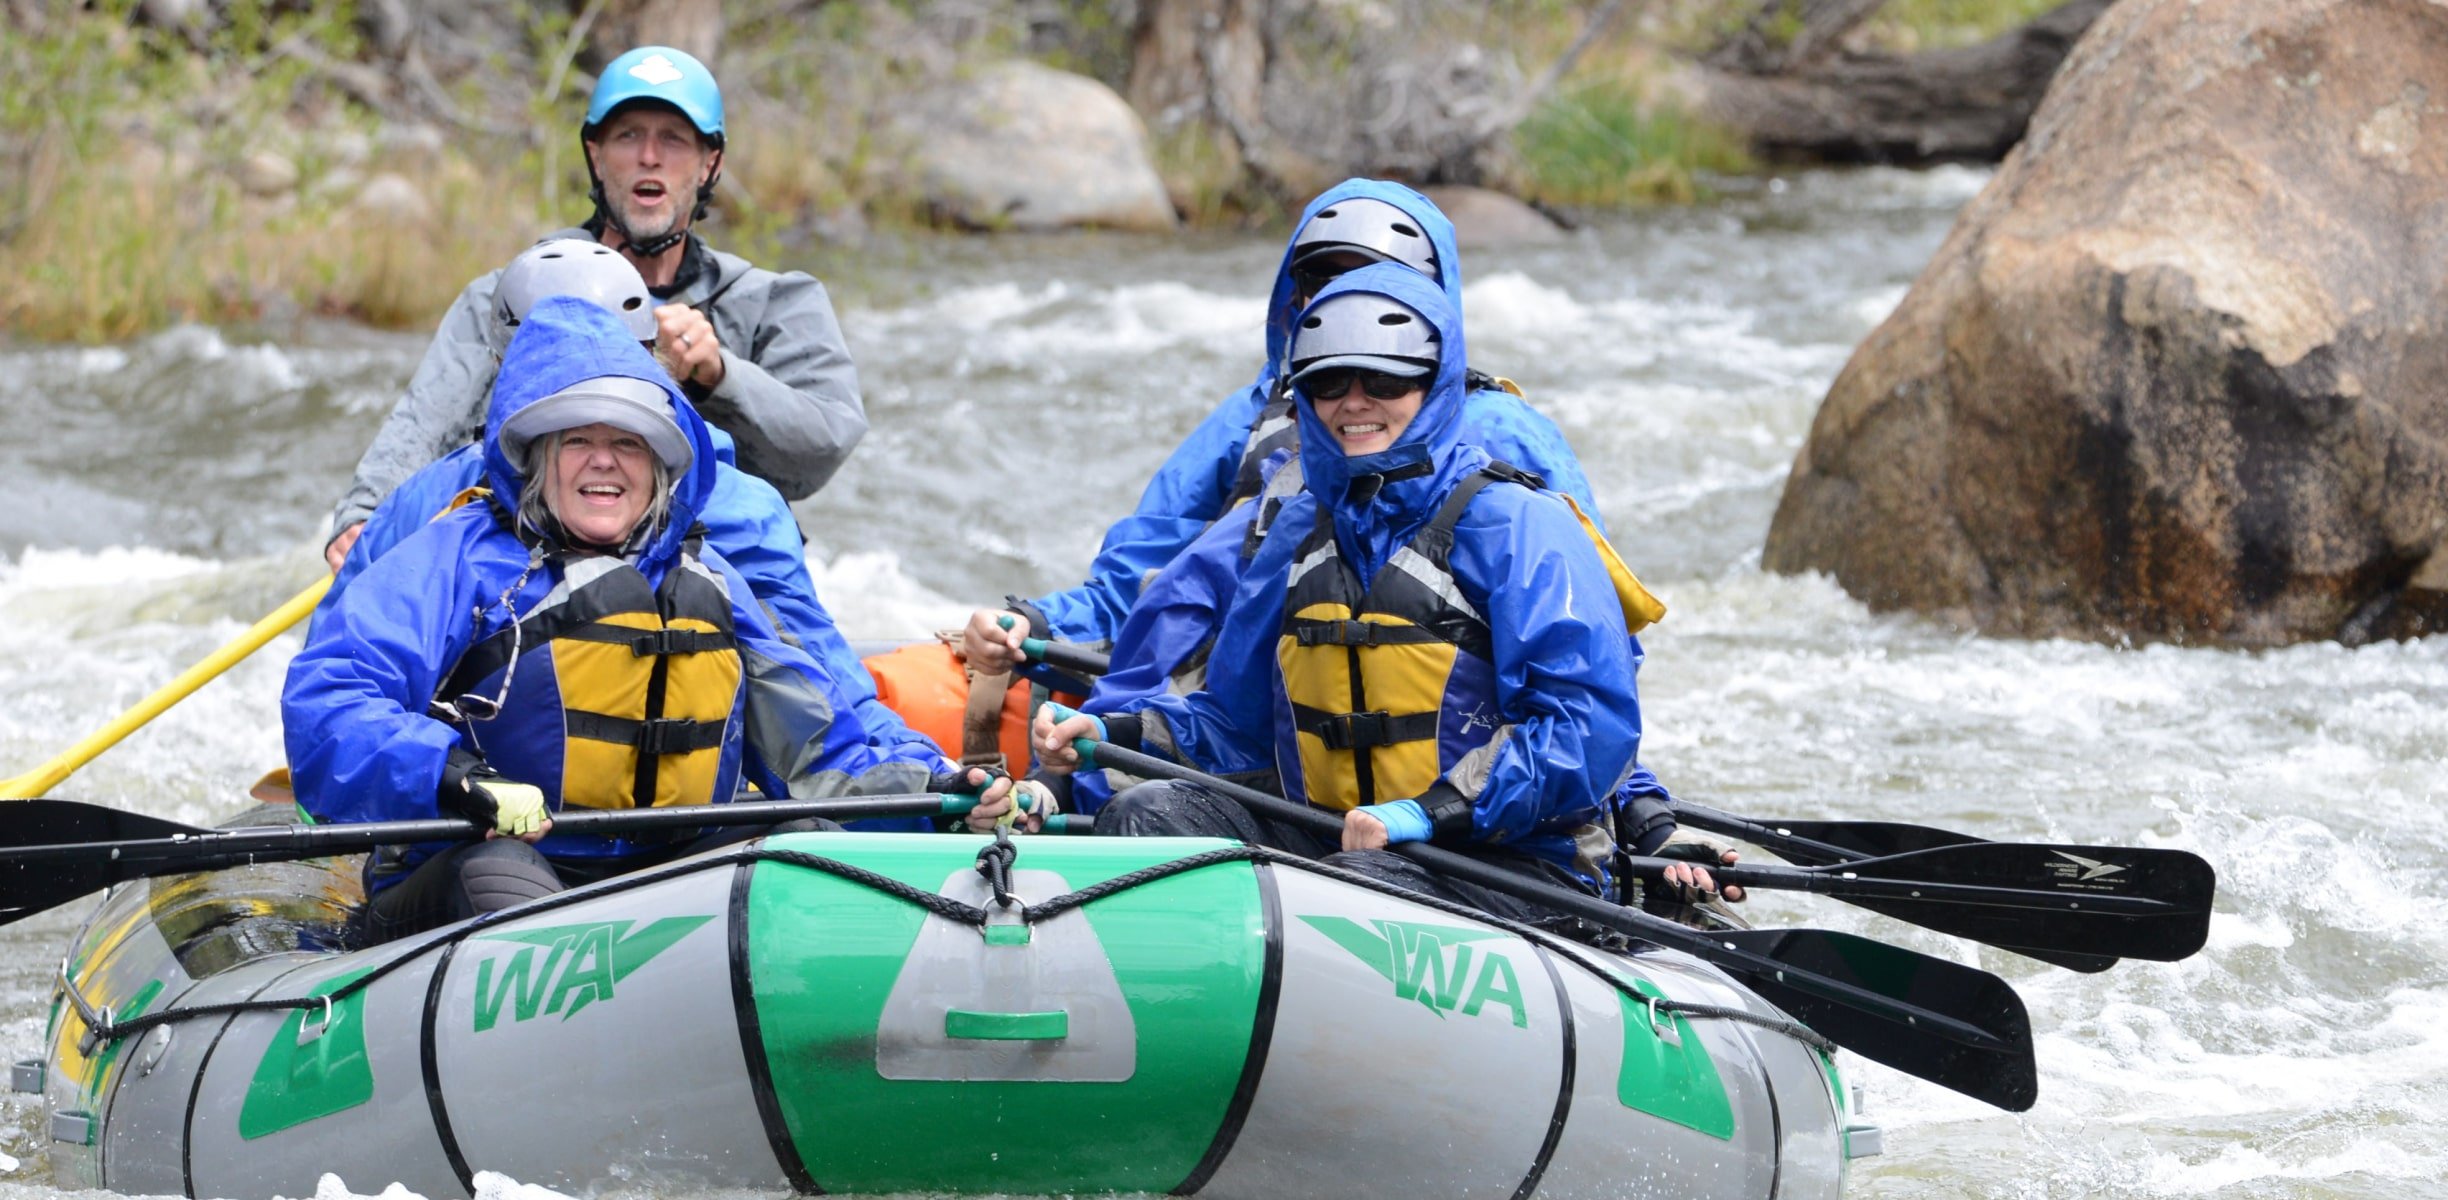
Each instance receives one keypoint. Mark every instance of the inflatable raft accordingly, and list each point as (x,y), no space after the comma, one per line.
(859,1013)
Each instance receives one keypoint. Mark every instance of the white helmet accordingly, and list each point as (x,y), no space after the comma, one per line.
(1379,231)
(1365,331)
(577,267)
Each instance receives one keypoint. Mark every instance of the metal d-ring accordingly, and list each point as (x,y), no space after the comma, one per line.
(322,1022)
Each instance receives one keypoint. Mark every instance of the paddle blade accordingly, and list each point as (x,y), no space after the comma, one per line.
(2002,1074)
(29,885)
(1818,843)
(2063,897)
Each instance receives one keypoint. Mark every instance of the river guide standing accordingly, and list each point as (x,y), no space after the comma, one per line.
(760,353)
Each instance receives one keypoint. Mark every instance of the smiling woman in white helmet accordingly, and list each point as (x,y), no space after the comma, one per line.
(613,660)
(1432,644)
(759,353)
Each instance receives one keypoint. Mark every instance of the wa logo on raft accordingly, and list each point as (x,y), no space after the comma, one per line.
(567,967)
(1433,964)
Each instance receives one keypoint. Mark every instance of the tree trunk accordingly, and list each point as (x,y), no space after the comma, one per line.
(1968,104)
(693,26)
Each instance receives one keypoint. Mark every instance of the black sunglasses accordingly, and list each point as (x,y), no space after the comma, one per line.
(1332,384)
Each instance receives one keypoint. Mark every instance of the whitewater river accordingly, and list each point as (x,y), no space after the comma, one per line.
(163,494)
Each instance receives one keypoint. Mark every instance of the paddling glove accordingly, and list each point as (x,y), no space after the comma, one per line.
(479,793)
(518,808)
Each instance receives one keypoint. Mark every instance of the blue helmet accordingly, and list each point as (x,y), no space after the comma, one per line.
(662,74)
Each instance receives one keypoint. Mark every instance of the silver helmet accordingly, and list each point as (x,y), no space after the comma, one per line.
(577,267)
(1364,331)
(1376,229)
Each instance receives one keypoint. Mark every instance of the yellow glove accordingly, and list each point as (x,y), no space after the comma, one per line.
(518,809)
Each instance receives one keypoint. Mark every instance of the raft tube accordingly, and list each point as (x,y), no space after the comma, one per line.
(856,1013)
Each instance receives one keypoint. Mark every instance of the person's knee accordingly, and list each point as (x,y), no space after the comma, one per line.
(502,872)
(1163,808)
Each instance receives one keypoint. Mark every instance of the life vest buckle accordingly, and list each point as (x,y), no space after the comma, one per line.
(1352,731)
(1336,633)
(668,735)
(674,641)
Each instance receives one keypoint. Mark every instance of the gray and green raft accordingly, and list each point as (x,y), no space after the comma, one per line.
(1239,1029)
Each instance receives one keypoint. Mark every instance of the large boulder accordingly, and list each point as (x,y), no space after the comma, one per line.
(1016,145)
(2175,374)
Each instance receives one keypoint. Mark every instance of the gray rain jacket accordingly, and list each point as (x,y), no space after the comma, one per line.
(789,396)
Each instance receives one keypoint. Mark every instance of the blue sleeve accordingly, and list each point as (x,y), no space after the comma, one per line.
(1571,718)
(805,730)
(410,507)
(1176,619)
(1186,495)
(1505,426)
(1225,726)
(353,709)
(751,527)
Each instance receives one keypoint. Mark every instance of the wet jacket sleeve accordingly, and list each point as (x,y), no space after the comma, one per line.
(789,396)
(1224,727)
(1569,716)
(1173,627)
(1510,430)
(804,735)
(748,524)
(441,410)
(353,710)
(1186,495)
(410,507)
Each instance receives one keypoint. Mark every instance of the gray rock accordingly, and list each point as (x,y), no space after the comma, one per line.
(267,173)
(2176,372)
(1023,146)
(409,145)
(391,197)
(1489,218)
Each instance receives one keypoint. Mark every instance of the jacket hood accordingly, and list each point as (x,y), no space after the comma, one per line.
(563,341)
(1432,221)
(1412,469)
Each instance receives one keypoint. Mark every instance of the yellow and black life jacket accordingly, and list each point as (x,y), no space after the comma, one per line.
(648,678)
(1367,670)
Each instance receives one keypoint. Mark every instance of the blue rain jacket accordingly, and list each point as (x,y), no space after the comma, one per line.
(1562,675)
(1189,491)
(361,745)
(746,521)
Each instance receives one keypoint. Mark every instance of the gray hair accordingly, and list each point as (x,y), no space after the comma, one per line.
(546,450)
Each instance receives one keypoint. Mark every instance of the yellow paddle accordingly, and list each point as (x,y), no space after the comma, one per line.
(47,776)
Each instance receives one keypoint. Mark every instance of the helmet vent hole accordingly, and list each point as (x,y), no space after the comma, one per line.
(1313,322)
(1405,230)
(1394,319)
(631,304)
(1325,212)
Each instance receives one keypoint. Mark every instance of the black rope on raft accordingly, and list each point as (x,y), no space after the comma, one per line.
(995,861)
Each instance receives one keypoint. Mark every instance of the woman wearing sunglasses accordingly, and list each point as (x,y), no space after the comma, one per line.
(564,639)
(1428,642)
(1218,467)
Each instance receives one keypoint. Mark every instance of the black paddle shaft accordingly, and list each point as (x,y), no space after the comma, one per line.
(53,851)
(1956,1026)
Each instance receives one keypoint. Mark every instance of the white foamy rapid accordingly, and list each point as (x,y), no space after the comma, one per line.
(1021,392)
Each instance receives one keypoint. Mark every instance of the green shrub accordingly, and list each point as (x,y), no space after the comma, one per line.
(1595,145)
